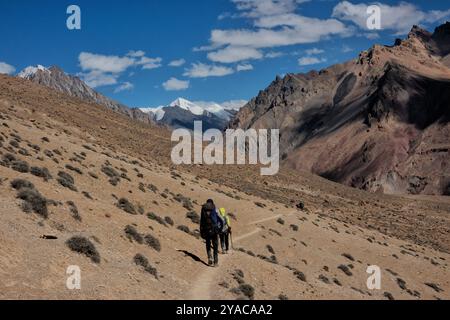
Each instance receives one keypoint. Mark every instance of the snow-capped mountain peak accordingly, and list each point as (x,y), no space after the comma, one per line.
(218,115)
(188,105)
(31,71)
(158,112)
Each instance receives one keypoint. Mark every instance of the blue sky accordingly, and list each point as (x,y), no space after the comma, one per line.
(147,53)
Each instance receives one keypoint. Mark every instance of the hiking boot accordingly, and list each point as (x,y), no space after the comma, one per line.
(216,264)
(224,252)
(210,262)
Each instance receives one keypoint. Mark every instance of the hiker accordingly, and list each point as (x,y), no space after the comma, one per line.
(210,227)
(225,232)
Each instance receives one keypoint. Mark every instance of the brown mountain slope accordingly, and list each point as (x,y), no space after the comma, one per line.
(379,123)
(319,252)
(57,79)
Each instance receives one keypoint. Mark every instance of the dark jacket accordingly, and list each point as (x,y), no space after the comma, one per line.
(210,224)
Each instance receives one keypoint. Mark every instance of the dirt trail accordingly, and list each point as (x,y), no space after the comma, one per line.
(201,289)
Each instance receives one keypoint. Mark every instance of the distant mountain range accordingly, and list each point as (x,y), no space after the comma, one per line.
(57,79)
(182,113)
(380,122)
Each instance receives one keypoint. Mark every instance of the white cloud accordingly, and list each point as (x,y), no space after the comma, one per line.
(177,63)
(398,18)
(372,35)
(201,70)
(274,54)
(346,49)
(233,54)
(6,68)
(274,23)
(102,70)
(149,63)
(306,61)
(103,63)
(244,67)
(97,78)
(173,84)
(314,51)
(126,86)
(136,54)
(258,8)
(310,32)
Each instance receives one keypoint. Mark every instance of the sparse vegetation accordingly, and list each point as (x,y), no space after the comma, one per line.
(72,168)
(300,275)
(270,249)
(152,242)
(93,175)
(74,211)
(87,195)
(153,216)
(21,183)
(193,216)
(20,166)
(348,256)
(153,188)
(345,269)
(280,221)
(34,201)
(434,286)
(7,159)
(126,206)
(260,204)
(142,261)
(67,181)
(388,295)
(324,279)
(169,221)
(41,172)
(185,201)
(184,229)
(112,174)
(247,290)
(84,246)
(14,143)
(133,234)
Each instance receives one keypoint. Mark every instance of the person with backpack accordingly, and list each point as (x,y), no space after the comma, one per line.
(225,232)
(210,227)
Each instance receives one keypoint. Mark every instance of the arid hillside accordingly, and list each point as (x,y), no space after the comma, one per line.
(83,185)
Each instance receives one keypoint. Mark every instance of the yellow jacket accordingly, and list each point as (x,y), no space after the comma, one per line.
(224,216)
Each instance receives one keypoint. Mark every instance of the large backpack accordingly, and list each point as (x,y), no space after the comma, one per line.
(210,222)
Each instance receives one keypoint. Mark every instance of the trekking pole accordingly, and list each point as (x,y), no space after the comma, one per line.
(231,238)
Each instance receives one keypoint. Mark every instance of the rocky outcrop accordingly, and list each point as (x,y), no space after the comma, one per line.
(379,122)
(57,79)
